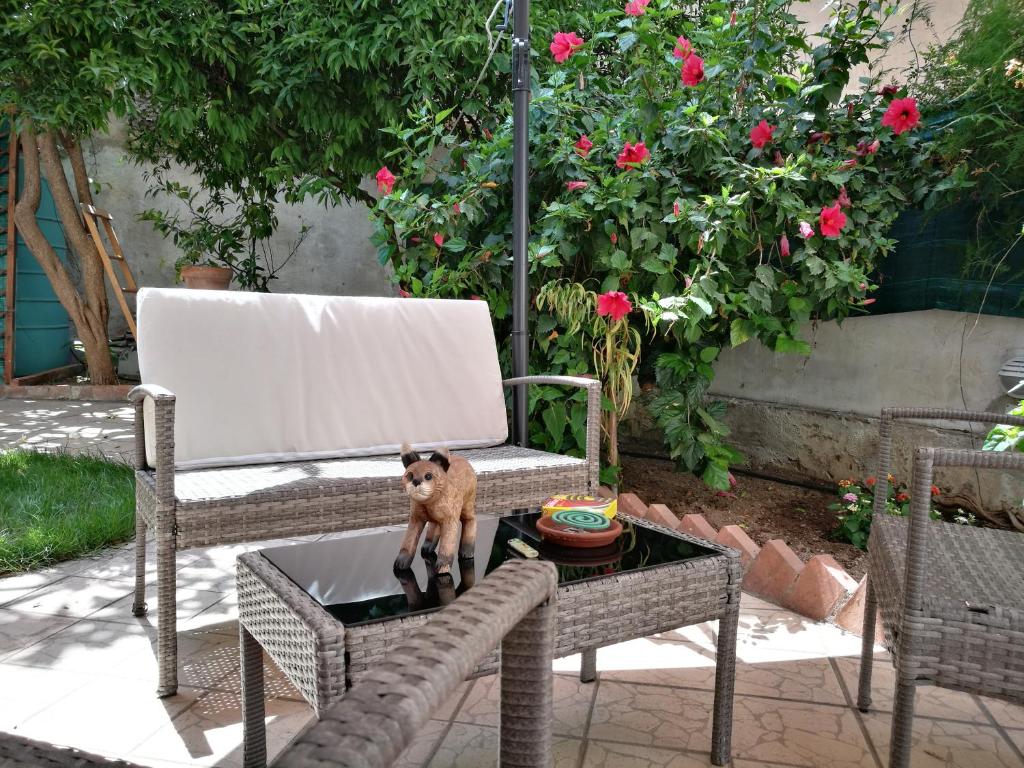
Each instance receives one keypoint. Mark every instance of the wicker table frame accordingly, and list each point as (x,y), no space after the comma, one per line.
(308,508)
(323,658)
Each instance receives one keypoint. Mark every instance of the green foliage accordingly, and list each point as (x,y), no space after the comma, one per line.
(57,507)
(286,94)
(972,89)
(692,233)
(1004,437)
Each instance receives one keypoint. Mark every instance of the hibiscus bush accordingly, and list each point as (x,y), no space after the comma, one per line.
(714,164)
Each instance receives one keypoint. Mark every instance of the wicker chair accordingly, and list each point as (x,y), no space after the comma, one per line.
(377,719)
(949,596)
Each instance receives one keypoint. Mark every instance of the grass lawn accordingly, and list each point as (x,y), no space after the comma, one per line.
(56,507)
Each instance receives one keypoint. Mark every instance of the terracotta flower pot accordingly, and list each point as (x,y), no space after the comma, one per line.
(209,278)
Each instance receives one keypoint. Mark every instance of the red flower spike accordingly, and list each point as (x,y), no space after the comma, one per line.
(613,304)
(831,221)
(565,45)
(902,115)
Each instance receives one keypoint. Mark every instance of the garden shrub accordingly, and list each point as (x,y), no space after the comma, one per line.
(709,162)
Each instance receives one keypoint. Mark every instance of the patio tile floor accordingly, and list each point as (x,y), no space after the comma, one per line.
(77,669)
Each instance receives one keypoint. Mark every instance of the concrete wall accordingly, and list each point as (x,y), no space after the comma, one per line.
(815,419)
(335,258)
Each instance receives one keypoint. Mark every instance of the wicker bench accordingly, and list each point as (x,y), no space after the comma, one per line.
(267,416)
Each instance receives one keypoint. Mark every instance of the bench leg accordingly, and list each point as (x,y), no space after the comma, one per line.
(139,607)
(167,619)
(725,681)
(254,729)
(902,723)
(588,665)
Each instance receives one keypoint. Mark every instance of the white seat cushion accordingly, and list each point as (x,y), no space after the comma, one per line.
(266,378)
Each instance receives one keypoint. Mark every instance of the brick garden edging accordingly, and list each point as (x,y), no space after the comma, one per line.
(91,392)
(819,589)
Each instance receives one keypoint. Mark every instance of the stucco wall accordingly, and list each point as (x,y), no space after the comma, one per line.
(335,258)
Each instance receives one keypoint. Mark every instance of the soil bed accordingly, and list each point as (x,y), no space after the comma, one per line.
(765,509)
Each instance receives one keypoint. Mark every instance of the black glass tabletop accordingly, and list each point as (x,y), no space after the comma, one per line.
(352,577)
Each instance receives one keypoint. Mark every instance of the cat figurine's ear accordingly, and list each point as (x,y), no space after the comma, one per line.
(442,458)
(409,456)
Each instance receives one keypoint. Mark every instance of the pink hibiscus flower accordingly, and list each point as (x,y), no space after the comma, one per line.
(632,155)
(565,45)
(806,230)
(761,134)
(636,7)
(683,48)
(574,186)
(583,146)
(385,180)
(831,220)
(902,115)
(693,70)
(614,304)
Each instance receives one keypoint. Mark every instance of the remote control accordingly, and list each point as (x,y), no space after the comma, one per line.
(524,549)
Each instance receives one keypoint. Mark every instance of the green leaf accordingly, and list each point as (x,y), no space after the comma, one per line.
(786,344)
(716,475)
(740,331)
(708,354)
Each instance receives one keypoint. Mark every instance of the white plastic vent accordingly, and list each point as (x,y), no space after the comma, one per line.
(1012,376)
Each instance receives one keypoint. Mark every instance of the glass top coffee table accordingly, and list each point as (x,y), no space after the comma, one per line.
(327,611)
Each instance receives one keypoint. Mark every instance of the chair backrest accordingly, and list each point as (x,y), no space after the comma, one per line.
(263,378)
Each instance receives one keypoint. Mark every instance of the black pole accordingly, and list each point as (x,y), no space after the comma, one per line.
(520,210)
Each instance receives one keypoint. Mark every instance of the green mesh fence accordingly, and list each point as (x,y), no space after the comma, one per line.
(927,270)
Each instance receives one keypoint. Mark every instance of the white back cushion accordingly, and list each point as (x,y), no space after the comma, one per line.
(263,378)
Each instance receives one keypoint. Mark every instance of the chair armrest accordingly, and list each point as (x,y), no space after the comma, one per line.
(378,718)
(889,415)
(162,401)
(593,387)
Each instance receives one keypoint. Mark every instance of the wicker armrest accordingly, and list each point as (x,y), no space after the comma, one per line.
(593,387)
(162,401)
(378,718)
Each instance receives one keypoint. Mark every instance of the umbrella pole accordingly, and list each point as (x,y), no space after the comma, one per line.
(520,211)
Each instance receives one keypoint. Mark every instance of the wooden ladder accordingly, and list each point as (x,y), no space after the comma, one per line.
(92,214)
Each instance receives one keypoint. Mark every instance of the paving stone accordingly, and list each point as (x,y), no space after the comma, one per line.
(819,587)
(735,537)
(630,504)
(774,571)
(697,525)
(662,515)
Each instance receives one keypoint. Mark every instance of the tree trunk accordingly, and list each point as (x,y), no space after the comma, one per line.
(88,309)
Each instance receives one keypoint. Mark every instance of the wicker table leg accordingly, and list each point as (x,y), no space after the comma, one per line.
(254,729)
(588,665)
(139,603)
(725,681)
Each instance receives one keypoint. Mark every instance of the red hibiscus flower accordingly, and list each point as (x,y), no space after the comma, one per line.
(693,70)
(632,155)
(784,246)
(404,293)
(823,136)
(761,134)
(848,164)
(637,7)
(683,48)
(438,239)
(615,304)
(583,146)
(935,490)
(385,181)
(902,115)
(574,186)
(831,221)
(865,148)
(870,482)
(614,238)
(843,199)
(888,91)
(902,496)
(565,45)
(873,146)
